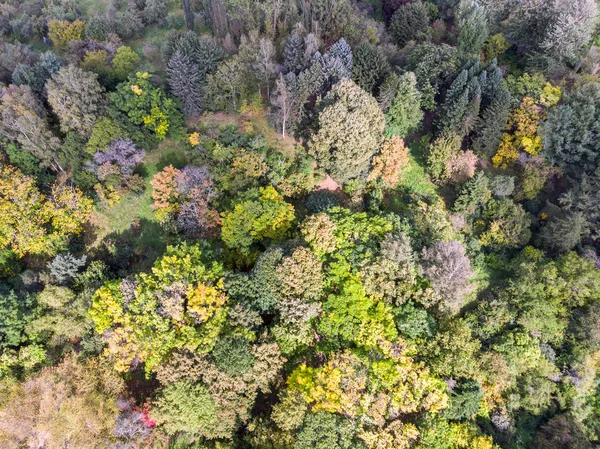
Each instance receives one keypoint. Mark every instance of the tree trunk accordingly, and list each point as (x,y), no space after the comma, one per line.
(188,13)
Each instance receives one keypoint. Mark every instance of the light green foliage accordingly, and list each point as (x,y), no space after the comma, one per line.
(350,131)
(472,27)
(352,316)
(179,304)
(405,114)
(61,317)
(183,407)
(139,103)
(262,217)
(233,355)
(124,62)
(76,98)
(104,132)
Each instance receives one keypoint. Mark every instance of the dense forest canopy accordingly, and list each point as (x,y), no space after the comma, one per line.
(289,224)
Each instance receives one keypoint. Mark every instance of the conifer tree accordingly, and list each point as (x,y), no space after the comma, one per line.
(405,113)
(184,81)
(293,53)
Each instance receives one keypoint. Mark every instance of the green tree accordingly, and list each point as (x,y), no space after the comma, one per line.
(124,62)
(405,114)
(184,81)
(23,120)
(262,216)
(370,67)
(472,27)
(137,102)
(350,130)
(570,137)
(76,98)
(324,430)
(410,22)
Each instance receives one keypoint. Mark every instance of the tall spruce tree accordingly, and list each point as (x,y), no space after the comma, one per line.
(184,81)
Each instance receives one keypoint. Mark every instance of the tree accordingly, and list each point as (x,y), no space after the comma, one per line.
(36,76)
(404,114)
(388,164)
(183,407)
(390,7)
(350,129)
(558,29)
(32,223)
(122,154)
(64,267)
(202,51)
(472,27)
(283,101)
(61,32)
(570,137)
(324,430)
(293,53)
(491,125)
(179,304)
(448,268)
(370,67)
(432,65)
(23,120)
(563,432)
(72,404)
(410,22)
(226,88)
(184,81)
(124,62)
(262,216)
(137,102)
(76,98)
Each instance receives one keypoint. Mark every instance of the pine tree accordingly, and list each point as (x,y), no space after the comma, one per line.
(293,53)
(370,67)
(184,81)
(405,113)
(491,125)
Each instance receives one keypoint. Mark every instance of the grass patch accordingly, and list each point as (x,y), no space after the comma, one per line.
(134,210)
(415,180)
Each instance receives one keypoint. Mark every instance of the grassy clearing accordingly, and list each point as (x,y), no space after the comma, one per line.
(91,8)
(415,180)
(136,210)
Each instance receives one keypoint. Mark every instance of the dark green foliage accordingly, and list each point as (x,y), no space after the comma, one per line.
(185,82)
(491,124)
(321,202)
(414,322)
(464,400)
(410,22)
(324,430)
(36,76)
(233,355)
(472,27)
(473,194)
(201,51)
(405,114)
(370,67)
(293,53)
(571,134)
(562,232)
(432,65)
(96,28)
(13,308)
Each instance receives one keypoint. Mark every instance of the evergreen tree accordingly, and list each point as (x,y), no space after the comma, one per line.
(350,131)
(405,113)
(472,27)
(293,53)
(491,125)
(370,67)
(410,22)
(76,98)
(184,81)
